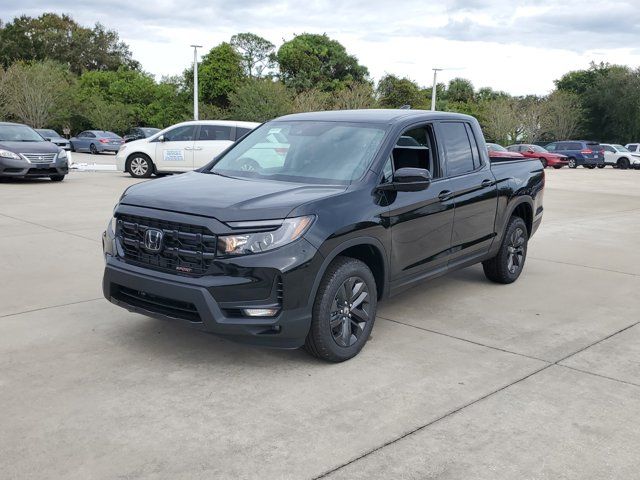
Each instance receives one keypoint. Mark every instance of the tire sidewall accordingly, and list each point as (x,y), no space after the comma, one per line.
(514,223)
(149,171)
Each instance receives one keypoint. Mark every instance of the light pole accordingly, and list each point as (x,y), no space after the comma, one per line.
(195,80)
(434,88)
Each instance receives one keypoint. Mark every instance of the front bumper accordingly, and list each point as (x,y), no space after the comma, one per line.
(283,278)
(10,167)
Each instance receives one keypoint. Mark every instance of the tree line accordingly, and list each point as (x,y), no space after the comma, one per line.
(56,73)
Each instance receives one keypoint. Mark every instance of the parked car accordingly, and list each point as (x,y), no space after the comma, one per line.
(24,153)
(137,133)
(498,151)
(96,141)
(619,156)
(54,137)
(579,152)
(547,158)
(180,148)
(300,252)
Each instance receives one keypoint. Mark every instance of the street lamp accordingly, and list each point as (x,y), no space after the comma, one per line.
(434,88)
(195,80)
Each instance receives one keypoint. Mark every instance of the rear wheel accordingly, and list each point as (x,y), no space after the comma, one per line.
(93,149)
(73,149)
(557,167)
(623,163)
(57,178)
(590,167)
(572,162)
(507,265)
(601,165)
(343,312)
(139,166)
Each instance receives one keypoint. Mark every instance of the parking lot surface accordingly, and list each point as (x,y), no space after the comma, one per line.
(462,378)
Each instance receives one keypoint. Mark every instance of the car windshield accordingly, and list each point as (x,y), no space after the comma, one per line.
(150,131)
(108,135)
(19,133)
(620,148)
(49,133)
(303,151)
(538,149)
(494,147)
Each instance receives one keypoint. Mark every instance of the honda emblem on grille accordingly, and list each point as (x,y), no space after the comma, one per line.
(153,240)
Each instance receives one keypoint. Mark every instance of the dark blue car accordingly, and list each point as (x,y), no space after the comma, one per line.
(579,152)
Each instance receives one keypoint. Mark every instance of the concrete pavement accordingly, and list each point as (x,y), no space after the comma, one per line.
(461,379)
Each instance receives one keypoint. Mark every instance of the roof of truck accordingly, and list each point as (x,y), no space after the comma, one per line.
(372,115)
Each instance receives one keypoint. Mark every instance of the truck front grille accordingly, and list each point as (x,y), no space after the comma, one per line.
(184,249)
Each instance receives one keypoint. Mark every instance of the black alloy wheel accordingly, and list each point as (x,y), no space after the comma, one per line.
(508,263)
(93,149)
(516,248)
(623,163)
(349,311)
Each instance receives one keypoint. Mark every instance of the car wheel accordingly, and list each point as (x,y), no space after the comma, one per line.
(544,162)
(57,178)
(139,166)
(557,167)
(248,165)
(71,147)
(344,311)
(572,163)
(623,163)
(93,149)
(507,265)
(590,167)
(601,166)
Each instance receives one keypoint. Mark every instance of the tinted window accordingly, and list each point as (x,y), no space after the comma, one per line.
(551,147)
(241,132)
(214,132)
(609,149)
(458,148)
(415,148)
(474,147)
(181,134)
(633,148)
(90,135)
(573,146)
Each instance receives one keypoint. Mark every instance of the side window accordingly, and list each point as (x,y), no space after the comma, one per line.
(415,148)
(90,135)
(181,134)
(241,132)
(632,148)
(457,147)
(551,147)
(214,132)
(477,162)
(607,148)
(574,146)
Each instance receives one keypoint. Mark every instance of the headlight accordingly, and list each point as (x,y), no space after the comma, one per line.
(8,154)
(246,243)
(62,155)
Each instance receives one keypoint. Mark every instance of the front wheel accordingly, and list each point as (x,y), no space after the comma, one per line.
(343,312)
(57,178)
(557,167)
(623,163)
(507,265)
(140,166)
(544,162)
(573,163)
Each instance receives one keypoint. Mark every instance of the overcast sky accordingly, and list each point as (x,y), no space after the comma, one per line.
(519,46)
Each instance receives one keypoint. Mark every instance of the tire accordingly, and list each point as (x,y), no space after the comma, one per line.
(73,149)
(545,164)
(57,178)
(623,163)
(139,166)
(558,167)
(507,265)
(339,329)
(93,149)
(601,166)
(572,163)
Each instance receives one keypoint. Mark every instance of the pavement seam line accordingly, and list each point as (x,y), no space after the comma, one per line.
(51,306)
(599,375)
(432,422)
(465,340)
(47,228)
(584,266)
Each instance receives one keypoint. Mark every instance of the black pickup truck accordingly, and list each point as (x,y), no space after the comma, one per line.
(292,235)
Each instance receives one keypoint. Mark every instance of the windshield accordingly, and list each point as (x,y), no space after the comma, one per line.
(48,133)
(19,133)
(108,135)
(304,151)
(494,147)
(538,149)
(620,148)
(150,131)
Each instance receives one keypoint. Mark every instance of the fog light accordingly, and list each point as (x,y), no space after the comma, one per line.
(260,312)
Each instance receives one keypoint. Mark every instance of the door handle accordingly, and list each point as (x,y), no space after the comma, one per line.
(197,148)
(445,195)
(487,183)
(188,148)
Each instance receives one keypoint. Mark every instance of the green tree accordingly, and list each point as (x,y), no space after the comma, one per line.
(394,92)
(563,115)
(61,39)
(259,100)
(313,100)
(353,96)
(220,73)
(31,92)
(316,61)
(257,53)
(500,120)
(460,90)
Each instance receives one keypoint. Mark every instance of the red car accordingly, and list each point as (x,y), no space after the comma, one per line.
(498,151)
(547,158)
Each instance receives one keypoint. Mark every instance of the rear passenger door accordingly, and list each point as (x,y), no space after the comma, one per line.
(212,140)
(474,191)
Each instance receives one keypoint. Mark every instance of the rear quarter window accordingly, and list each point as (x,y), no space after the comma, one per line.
(459,154)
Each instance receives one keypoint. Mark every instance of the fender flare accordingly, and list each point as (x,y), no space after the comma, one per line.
(337,250)
(515,203)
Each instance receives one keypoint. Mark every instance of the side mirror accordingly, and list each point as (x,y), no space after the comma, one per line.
(529,151)
(48,139)
(408,179)
(161,138)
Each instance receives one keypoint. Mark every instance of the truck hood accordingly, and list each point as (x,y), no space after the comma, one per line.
(225,199)
(30,147)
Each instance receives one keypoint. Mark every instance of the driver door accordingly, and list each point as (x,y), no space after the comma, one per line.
(175,152)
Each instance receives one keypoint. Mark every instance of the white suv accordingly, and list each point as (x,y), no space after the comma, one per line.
(181,147)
